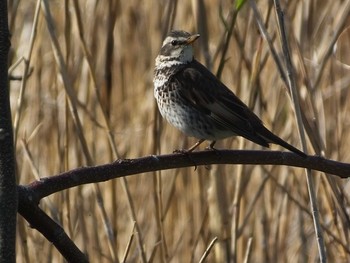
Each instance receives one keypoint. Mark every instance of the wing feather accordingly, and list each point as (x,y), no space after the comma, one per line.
(208,95)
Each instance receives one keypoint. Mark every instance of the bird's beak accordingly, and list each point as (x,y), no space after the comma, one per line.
(192,38)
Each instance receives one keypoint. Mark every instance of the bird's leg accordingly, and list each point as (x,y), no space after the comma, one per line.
(190,149)
(196,145)
(211,146)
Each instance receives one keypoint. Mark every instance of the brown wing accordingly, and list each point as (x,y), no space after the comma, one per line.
(208,95)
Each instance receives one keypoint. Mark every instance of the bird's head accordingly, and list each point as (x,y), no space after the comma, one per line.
(177,47)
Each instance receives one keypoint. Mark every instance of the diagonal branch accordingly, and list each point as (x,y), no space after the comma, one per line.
(39,220)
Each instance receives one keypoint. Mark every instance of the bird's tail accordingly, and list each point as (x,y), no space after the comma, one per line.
(272,138)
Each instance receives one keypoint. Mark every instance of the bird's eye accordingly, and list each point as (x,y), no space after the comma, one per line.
(174,42)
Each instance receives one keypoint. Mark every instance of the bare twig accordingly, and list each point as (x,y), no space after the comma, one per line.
(295,98)
(337,32)
(127,249)
(207,251)
(72,99)
(232,20)
(248,250)
(26,60)
(133,216)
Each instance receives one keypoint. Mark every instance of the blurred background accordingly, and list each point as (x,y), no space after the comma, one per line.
(89,64)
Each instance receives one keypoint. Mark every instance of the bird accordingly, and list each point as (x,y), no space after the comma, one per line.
(196,102)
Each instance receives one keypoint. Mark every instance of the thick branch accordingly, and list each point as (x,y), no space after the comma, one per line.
(8,193)
(39,220)
(120,168)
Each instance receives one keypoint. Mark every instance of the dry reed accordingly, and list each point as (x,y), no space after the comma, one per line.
(257,214)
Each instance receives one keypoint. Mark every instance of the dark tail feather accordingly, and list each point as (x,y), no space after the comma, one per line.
(272,138)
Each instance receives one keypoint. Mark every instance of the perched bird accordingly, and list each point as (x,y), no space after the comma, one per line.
(193,100)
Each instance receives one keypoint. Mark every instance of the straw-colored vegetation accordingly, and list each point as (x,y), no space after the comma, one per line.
(109,47)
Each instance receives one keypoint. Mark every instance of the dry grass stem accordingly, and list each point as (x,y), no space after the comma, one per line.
(82,95)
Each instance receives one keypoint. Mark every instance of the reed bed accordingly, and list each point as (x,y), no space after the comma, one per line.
(252,213)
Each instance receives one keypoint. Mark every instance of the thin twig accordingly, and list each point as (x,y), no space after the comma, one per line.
(329,50)
(133,217)
(128,245)
(26,60)
(268,39)
(232,19)
(248,250)
(72,99)
(305,210)
(295,99)
(106,221)
(207,251)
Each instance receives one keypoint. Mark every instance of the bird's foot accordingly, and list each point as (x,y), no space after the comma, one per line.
(191,149)
(211,148)
(187,153)
(183,151)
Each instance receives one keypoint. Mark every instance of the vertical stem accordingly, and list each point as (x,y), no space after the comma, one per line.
(295,99)
(8,191)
